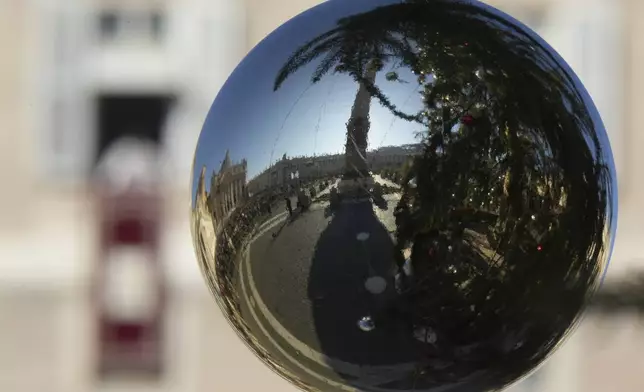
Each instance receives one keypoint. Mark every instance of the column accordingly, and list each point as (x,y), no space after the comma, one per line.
(564,371)
(20,150)
(588,35)
(633,138)
(206,41)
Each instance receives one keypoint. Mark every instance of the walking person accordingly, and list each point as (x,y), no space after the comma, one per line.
(289,207)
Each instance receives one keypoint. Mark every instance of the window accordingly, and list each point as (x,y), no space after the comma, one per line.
(131,25)
(108,25)
(157,25)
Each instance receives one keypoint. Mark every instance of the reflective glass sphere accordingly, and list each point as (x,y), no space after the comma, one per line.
(394,195)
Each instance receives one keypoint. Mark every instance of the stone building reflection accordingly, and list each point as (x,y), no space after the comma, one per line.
(280,175)
(204,230)
(227,188)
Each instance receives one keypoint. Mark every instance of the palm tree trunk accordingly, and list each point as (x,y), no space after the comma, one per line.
(356,165)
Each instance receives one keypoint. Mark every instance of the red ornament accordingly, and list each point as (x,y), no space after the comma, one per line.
(467,119)
(539,248)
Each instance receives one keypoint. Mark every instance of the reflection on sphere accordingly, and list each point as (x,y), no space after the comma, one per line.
(403,195)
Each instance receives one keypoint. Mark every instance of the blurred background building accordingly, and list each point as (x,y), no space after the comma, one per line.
(80,76)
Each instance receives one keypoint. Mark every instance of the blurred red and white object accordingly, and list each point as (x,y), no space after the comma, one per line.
(129,164)
(129,277)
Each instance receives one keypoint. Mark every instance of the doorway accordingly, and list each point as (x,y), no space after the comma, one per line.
(130,115)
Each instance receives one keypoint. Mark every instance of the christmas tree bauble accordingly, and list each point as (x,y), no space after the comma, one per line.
(394,195)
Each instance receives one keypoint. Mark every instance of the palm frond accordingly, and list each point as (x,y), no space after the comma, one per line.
(328,62)
(305,54)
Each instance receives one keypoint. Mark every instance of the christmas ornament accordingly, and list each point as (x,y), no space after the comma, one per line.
(403,195)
